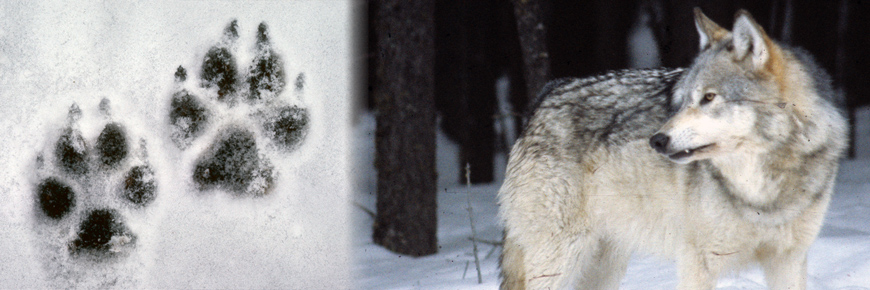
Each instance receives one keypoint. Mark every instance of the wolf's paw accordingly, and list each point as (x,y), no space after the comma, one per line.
(228,116)
(88,186)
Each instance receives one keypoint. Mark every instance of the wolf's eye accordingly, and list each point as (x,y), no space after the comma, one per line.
(708,97)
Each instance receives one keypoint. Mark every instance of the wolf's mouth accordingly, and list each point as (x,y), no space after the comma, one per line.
(688,152)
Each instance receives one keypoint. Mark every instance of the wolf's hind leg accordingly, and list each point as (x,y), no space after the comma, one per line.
(512,269)
(557,262)
(606,268)
(786,270)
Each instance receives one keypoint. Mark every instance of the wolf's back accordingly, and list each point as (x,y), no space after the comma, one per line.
(607,110)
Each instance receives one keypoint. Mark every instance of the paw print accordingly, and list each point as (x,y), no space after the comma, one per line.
(228,116)
(87,187)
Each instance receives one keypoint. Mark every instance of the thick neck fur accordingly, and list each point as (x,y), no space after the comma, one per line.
(746,178)
(764,187)
(772,185)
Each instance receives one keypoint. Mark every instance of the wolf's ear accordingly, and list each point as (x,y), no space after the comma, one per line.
(750,40)
(708,30)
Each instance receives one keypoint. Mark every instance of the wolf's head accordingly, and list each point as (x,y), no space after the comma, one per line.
(743,94)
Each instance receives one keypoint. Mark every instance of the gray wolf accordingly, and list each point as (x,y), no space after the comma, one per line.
(728,163)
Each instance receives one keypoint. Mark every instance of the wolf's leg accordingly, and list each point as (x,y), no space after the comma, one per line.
(556,263)
(606,268)
(697,270)
(786,271)
(545,260)
(548,228)
(512,269)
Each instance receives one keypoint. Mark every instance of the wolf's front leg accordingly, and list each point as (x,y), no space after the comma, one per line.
(606,268)
(698,271)
(786,270)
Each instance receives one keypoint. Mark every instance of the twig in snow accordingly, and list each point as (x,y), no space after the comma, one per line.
(471,220)
(365,209)
(491,251)
(489,242)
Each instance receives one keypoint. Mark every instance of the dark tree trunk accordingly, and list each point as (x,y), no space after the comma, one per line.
(588,37)
(613,23)
(406,219)
(509,59)
(856,63)
(533,41)
(464,81)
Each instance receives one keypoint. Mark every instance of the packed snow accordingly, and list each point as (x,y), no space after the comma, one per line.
(56,53)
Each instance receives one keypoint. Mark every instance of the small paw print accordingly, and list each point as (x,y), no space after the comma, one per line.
(232,113)
(87,187)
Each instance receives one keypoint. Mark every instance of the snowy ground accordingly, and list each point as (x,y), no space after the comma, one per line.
(453,267)
(55,53)
(839,259)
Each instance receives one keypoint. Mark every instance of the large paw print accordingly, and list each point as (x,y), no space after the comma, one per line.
(86,188)
(237,111)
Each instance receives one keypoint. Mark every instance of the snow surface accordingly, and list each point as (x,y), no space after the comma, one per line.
(55,53)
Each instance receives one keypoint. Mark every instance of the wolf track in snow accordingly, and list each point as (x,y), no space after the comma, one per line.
(86,189)
(237,111)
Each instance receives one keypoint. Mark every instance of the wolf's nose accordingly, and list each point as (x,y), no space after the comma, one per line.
(659,142)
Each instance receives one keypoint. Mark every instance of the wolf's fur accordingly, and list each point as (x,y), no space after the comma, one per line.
(584,189)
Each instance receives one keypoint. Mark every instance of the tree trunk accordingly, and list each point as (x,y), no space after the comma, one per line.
(406,220)
(465,82)
(533,41)
(856,65)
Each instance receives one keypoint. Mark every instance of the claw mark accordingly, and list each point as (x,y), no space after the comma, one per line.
(300,82)
(74,113)
(180,74)
(263,34)
(105,107)
(231,32)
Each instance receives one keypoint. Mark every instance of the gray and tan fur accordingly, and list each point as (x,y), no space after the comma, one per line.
(748,144)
